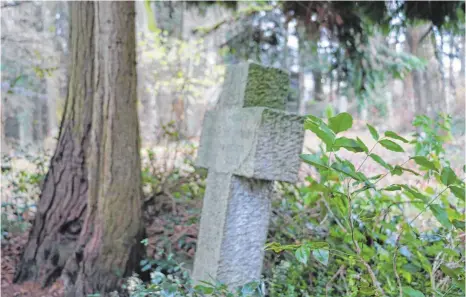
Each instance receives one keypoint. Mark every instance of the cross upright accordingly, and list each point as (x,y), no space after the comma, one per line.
(247,142)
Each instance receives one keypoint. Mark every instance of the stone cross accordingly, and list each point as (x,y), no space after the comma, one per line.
(247,142)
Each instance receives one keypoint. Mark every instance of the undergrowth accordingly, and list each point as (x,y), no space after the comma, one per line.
(397,230)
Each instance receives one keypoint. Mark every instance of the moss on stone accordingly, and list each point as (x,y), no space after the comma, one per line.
(266,87)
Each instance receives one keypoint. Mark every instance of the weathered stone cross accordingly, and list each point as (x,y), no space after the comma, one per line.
(247,143)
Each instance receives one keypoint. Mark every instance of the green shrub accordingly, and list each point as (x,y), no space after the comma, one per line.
(22,178)
(366,239)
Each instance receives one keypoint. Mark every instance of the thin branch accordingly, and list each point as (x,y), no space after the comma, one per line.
(397,243)
(375,282)
(340,271)
(426,34)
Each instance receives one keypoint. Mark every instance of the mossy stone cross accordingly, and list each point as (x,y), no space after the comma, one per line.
(247,142)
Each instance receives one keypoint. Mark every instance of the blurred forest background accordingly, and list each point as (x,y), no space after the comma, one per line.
(370,59)
(383,62)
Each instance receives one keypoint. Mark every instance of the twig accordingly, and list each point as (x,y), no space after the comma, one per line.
(358,251)
(334,217)
(339,271)
(397,243)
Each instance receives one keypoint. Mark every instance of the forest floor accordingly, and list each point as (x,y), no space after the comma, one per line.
(168,222)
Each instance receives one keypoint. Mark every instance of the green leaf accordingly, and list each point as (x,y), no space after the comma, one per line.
(204,289)
(448,176)
(390,145)
(458,192)
(347,171)
(362,144)
(320,130)
(424,162)
(379,160)
(302,254)
(409,170)
(459,224)
(414,193)
(374,132)
(441,214)
(321,255)
(410,292)
(340,122)
(392,188)
(393,135)
(397,170)
(454,274)
(314,161)
(347,143)
(329,111)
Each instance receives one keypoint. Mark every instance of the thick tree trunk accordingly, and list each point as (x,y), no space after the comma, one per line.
(63,200)
(88,225)
(110,246)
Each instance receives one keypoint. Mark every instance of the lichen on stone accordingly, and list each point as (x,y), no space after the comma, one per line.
(266,87)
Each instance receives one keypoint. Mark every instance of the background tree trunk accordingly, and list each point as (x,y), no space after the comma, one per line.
(110,246)
(63,200)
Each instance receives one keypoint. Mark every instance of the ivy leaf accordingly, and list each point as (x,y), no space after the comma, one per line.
(441,214)
(448,176)
(314,161)
(321,255)
(458,192)
(340,122)
(392,146)
(374,132)
(410,292)
(302,254)
(379,160)
(393,135)
(424,162)
(347,143)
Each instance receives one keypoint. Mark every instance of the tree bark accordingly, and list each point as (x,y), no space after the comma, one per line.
(88,226)
(110,246)
(63,199)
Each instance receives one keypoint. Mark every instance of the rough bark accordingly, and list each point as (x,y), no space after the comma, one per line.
(110,246)
(63,200)
(88,225)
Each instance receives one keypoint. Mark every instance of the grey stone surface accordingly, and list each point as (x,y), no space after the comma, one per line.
(234,226)
(247,143)
(253,142)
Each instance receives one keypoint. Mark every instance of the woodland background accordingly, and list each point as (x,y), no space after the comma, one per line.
(383,62)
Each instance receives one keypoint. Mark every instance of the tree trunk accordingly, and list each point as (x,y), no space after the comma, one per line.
(88,225)
(462,55)
(110,246)
(418,41)
(63,199)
